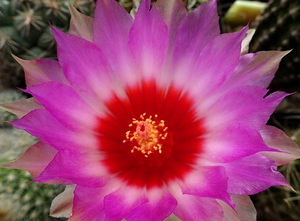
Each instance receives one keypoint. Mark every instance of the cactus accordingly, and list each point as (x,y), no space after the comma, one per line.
(20,200)
(25,32)
(278,29)
(7,96)
(24,25)
(24,201)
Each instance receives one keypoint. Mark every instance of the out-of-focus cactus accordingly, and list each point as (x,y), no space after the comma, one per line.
(279,29)
(7,96)
(24,25)
(25,32)
(20,200)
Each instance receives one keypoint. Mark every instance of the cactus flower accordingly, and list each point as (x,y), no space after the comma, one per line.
(153,116)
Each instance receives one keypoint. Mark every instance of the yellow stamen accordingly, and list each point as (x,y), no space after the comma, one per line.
(147,135)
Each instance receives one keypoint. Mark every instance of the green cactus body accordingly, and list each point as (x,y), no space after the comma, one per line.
(7,96)
(20,200)
(24,23)
(279,29)
(25,32)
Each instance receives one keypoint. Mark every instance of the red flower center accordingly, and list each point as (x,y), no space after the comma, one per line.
(151,137)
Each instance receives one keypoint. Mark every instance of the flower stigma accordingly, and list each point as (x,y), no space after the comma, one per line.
(148,135)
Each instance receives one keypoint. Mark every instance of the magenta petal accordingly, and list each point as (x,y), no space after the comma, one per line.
(70,109)
(156,209)
(88,204)
(123,201)
(40,123)
(256,69)
(53,70)
(277,139)
(41,71)
(111,30)
(173,12)
(196,30)
(245,105)
(84,66)
(232,143)
(252,174)
(111,26)
(243,211)
(195,208)
(34,160)
(148,40)
(214,60)
(207,182)
(70,167)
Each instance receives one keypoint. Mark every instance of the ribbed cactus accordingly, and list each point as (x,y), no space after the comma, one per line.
(25,32)
(7,96)
(279,29)
(24,25)
(20,200)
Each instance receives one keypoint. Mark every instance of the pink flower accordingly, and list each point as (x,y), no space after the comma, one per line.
(150,116)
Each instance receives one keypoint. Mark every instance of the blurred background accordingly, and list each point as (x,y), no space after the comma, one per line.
(24,32)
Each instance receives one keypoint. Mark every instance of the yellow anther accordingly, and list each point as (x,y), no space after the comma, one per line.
(148,134)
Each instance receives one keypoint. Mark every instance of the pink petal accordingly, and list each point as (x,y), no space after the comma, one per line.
(123,201)
(41,71)
(195,208)
(53,70)
(34,160)
(256,69)
(111,30)
(88,203)
(207,182)
(81,25)
(277,139)
(173,12)
(70,109)
(245,105)
(62,204)
(40,123)
(159,208)
(213,60)
(85,67)
(148,40)
(252,174)
(21,107)
(196,30)
(244,209)
(70,167)
(232,143)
